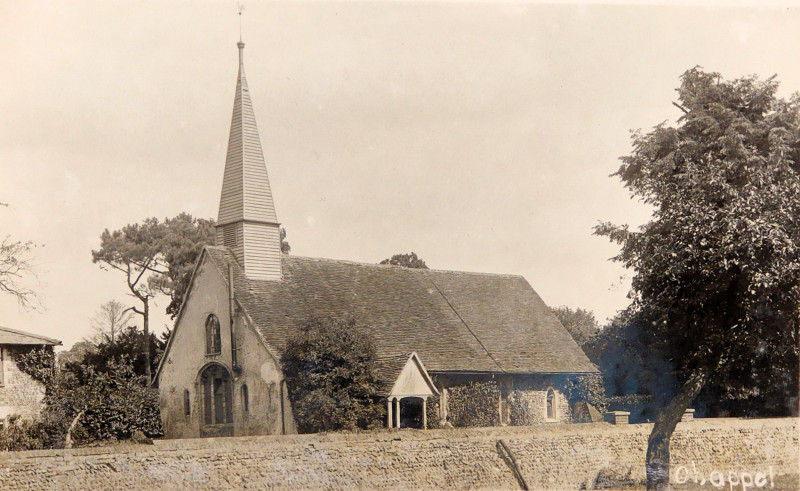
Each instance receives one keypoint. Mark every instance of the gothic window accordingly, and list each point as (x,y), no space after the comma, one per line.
(213,337)
(551,404)
(217,408)
(187,403)
(245,398)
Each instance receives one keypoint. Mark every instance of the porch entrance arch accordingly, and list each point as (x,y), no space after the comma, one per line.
(216,389)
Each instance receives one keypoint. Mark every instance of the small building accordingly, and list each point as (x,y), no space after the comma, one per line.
(20,394)
(221,372)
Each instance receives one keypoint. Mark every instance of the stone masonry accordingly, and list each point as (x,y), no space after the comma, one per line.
(549,456)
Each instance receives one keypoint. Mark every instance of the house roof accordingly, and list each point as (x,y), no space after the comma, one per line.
(13,336)
(454,321)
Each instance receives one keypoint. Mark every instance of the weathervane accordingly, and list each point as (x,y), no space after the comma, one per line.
(241,9)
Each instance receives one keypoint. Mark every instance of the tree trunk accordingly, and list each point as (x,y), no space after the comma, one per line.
(666,421)
(68,439)
(146,301)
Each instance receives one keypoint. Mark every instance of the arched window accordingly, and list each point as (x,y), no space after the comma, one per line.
(245,398)
(187,403)
(216,395)
(551,404)
(213,337)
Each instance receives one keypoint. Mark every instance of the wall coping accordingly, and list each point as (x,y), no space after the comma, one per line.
(538,431)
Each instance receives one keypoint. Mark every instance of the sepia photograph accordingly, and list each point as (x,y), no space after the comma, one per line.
(396,244)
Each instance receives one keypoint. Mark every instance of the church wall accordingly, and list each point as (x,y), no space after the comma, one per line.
(187,357)
(522,399)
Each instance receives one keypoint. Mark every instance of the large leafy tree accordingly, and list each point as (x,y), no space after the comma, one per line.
(579,323)
(155,257)
(716,269)
(330,372)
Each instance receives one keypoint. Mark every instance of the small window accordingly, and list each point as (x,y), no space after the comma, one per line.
(245,398)
(2,367)
(187,403)
(213,338)
(551,404)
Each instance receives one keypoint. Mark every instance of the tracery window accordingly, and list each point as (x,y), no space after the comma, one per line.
(213,336)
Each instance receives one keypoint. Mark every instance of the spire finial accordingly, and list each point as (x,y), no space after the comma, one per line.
(241,9)
(240,44)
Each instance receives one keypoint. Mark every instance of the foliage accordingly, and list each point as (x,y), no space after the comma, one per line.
(406,260)
(105,355)
(330,372)
(717,266)
(117,403)
(105,384)
(432,412)
(38,362)
(155,257)
(27,434)
(114,403)
(588,388)
(580,323)
(15,262)
(285,247)
(473,404)
(183,239)
(623,352)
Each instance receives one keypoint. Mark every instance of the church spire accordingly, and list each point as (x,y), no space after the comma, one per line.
(247,223)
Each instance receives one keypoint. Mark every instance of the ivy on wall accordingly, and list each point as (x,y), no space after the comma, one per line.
(474,404)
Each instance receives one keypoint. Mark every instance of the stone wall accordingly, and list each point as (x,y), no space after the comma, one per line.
(19,393)
(550,456)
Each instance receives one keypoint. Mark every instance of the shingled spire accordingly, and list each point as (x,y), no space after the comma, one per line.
(247,223)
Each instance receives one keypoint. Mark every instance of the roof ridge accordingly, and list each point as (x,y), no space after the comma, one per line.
(386,266)
(24,333)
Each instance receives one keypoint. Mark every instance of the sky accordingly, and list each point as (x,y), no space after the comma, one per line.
(481,136)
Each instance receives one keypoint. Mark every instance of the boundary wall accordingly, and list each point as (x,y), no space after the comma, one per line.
(548,457)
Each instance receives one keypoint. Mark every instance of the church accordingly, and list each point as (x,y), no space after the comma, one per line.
(434,331)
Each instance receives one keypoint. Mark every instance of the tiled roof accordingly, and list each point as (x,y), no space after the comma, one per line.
(454,321)
(12,336)
(389,368)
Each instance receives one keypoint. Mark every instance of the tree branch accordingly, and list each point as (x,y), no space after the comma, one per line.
(680,107)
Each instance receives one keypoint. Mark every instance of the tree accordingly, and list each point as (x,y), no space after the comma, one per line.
(580,323)
(126,347)
(330,372)
(716,268)
(406,260)
(183,240)
(107,323)
(15,263)
(285,247)
(155,257)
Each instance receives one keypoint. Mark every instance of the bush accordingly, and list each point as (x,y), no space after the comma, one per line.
(587,388)
(25,434)
(118,405)
(474,404)
(330,373)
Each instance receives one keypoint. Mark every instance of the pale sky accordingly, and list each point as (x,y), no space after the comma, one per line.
(479,135)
